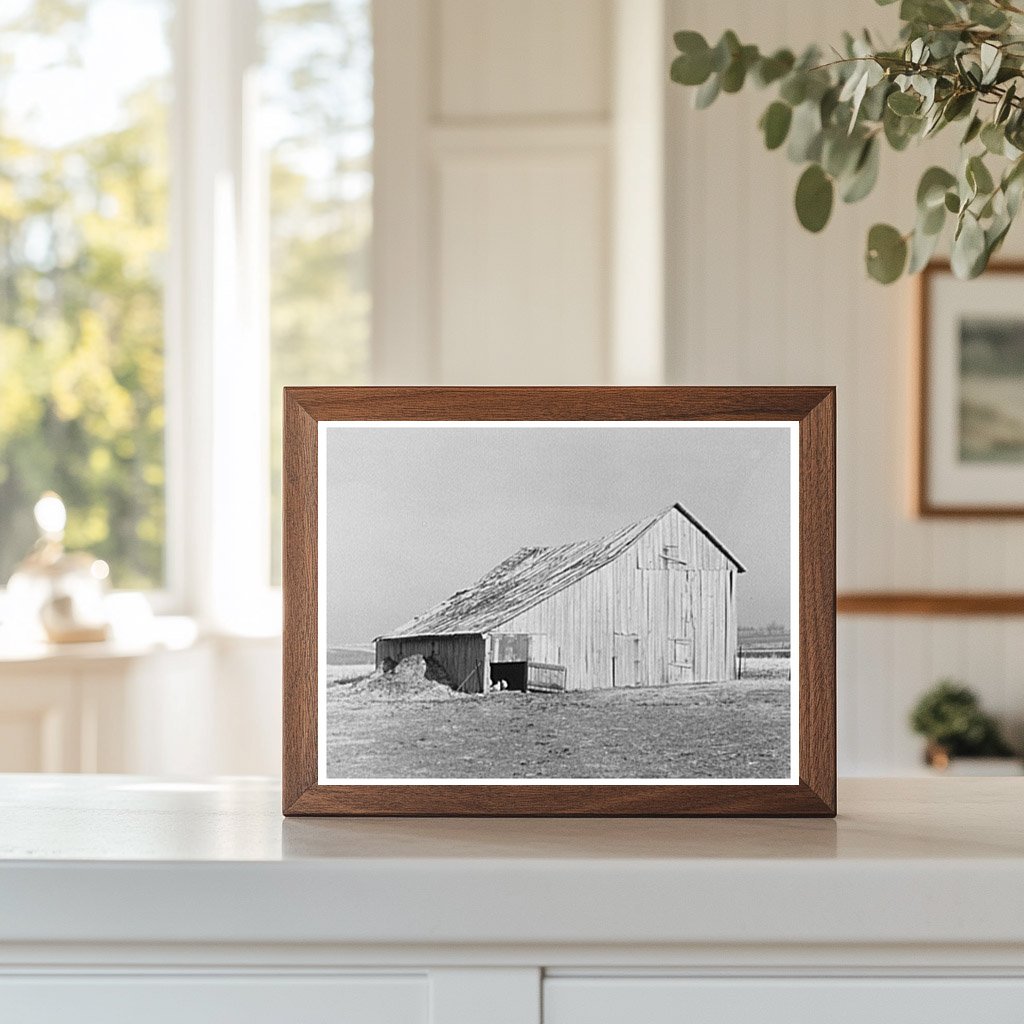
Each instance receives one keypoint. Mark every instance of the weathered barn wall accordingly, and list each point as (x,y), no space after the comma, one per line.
(574,628)
(672,585)
(689,594)
(672,540)
(462,656)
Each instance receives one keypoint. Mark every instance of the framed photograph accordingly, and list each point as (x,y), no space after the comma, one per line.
(559,601)
(970,451)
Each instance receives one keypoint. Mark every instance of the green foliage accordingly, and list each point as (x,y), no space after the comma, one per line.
(320,204)
(956,60)
(814,194)
(775,124)
(82,233)
(949,716)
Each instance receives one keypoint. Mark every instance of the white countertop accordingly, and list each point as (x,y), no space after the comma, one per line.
(121,859)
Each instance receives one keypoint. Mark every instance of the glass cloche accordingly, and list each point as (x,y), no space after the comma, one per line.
(57,595)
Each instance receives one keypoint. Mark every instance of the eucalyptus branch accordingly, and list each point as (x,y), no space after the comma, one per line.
(954,60)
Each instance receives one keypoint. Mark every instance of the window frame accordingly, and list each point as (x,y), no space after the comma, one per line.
(215,319)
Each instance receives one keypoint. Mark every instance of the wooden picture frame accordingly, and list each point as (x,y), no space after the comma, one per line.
(810,791)
(941,489)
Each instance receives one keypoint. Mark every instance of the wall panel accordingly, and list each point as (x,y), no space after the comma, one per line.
(531,58)
(522,281)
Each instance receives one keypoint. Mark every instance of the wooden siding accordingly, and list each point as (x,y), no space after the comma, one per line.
(688,595)
(462,657)
(672,540)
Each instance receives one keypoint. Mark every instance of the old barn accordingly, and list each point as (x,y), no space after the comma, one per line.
(651,604)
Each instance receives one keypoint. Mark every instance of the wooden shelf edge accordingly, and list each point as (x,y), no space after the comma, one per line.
(928,603)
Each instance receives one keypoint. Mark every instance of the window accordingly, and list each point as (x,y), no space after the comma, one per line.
(682,653)
(185,223)
(671,557)
(83,236)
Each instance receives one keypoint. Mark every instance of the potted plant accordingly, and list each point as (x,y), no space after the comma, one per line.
(950,718)
(956,62)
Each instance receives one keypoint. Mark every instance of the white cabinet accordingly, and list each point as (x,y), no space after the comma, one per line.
(101,708)
(175,705)
(202,999)
(130,899)
(829,1000)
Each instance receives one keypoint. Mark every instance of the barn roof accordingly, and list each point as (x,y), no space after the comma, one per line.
(530,576)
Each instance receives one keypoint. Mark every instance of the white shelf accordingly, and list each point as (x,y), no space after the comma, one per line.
(120,859)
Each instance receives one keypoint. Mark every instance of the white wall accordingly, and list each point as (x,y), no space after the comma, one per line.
(754,299)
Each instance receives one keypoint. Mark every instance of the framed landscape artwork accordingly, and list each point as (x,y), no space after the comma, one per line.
(559,601)
(970,451)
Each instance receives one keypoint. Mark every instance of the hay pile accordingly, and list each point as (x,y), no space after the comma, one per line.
(413,678)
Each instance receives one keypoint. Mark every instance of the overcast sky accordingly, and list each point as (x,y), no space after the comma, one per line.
(414,514)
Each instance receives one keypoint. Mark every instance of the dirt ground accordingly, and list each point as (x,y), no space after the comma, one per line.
(718,730)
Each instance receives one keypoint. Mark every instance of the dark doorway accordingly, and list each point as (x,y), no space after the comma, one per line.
(511,673)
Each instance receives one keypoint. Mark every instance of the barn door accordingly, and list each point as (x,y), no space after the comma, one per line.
(625,659)
(680,669)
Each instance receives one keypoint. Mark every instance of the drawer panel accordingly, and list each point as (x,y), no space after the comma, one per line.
(201,999)
(782,1001)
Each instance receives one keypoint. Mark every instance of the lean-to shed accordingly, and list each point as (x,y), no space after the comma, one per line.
(651,604)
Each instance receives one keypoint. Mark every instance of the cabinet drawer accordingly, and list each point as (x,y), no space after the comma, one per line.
(202,999)
(782,1001)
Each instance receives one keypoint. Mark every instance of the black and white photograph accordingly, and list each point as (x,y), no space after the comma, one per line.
(571,602)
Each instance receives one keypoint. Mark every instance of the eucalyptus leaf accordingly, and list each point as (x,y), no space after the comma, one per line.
(904,103)
(987,15)
(973,130)
(865,174)
(958,105)
(1005,105)
(925,87)
(724,51)
(707,93)
(805,133)
(1013,187)
(691,70)
(827,106)
(840,152)
(735,74)
(875,98)
(931,190)
(993,138)
(968,248)
(814,196)
(978,176)
(900,130)
(931,222)
(775,122)
(933,122)
(886,253)
(794,88)
(991,60)
(771,69)
(922,248)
